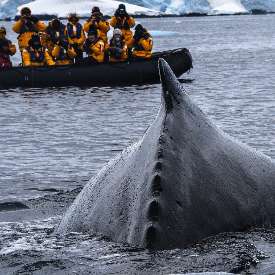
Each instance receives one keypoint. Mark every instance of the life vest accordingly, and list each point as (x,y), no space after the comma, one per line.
(74,31)
(36,56)
(63,55)
(117,44)
(4,43)
(120,44)
(137,46)
(122,23)
(56,36)
(87,46)
(5,62)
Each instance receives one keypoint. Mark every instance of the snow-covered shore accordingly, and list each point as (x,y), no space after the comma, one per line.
(61,8)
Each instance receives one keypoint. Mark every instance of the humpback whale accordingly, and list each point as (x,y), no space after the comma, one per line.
(185,180)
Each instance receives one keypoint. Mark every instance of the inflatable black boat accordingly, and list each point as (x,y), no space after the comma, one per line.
(106,74)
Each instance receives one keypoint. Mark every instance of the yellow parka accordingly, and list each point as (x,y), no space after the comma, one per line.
(62,56)
(143,48)
(36,58)
(75,34)
(26,34)
(124,24)
(95,50)
(102,28)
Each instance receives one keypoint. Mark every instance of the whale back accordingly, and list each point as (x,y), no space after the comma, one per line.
(183,181)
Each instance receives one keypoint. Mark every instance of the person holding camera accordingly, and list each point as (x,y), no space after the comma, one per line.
(26,26)
(55,33)
(97,22)
(121,20)
(76,36)
(94,47)
(58,44)
(142,43)
(117,51)
(7,49)
(63,54)
(35,55)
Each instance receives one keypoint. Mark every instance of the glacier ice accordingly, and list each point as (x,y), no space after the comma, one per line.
(266,5)
(8,8)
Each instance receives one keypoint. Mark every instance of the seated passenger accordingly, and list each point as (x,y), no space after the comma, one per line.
(26,26)
(94,47)
(63,54)
(7,49)
(35,55)
(121,20)
(97,22)
(117,50)
(142,43)
(76,36)
(55,32)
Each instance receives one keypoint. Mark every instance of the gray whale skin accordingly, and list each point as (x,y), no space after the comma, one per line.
(183,181)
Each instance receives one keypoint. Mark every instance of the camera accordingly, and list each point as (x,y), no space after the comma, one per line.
(121,13)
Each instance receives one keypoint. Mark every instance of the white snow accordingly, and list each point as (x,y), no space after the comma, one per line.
(8,8)
(62,8)
(227,7)
(207,6)
(188,6)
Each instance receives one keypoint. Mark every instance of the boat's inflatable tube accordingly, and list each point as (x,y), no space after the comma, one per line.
(107,74)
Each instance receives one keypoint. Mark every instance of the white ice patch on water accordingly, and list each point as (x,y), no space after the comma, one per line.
(111,256)
(27,235)
(18,245)
(162,33)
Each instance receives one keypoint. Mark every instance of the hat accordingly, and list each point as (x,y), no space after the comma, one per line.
(25,11)
(139,28)
(121,7)
(117,32)
(56,23)
(95,9)
(73,15)
(3,30)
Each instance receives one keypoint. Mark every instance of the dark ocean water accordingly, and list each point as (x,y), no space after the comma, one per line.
(52,141)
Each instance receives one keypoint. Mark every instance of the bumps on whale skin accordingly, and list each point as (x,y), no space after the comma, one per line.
(183,181)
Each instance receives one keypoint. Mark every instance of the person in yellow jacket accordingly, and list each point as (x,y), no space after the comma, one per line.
(63,54)
(117,50)
(35,55)
(55,33)
(97,22)
(76,36)
(142,43)
(26,26)
(7,49)
(94,47)
(121,20)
